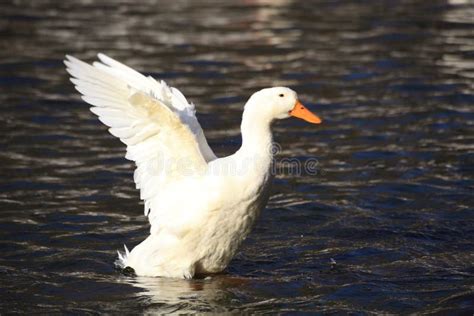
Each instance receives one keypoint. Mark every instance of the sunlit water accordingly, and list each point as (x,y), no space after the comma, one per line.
(385,224)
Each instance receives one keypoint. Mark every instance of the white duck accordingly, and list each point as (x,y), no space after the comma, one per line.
(200,207)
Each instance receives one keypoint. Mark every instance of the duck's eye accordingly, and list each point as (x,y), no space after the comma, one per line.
(281,95)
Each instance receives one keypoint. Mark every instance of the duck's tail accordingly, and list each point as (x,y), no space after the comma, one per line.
(121,261)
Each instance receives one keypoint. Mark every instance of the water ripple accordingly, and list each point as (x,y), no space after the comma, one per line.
(385,224)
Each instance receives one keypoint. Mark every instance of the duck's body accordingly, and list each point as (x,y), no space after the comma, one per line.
(209,224)
(200,207)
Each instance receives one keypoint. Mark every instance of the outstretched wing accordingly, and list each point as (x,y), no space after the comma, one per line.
(156,122)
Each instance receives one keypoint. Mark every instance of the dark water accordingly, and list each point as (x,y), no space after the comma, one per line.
(392,203)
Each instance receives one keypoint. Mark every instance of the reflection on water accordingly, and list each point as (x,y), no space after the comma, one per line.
(391,205)
(210,294)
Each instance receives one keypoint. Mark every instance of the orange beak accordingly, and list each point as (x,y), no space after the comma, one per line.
(302,112)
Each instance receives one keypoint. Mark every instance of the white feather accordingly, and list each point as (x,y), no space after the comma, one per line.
(141,112)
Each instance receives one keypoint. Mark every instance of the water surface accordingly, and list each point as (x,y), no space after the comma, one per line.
(384,225)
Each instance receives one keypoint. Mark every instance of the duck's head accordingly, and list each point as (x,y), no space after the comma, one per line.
(279,103)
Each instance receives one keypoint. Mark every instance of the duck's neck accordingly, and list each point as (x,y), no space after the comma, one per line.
(256,140)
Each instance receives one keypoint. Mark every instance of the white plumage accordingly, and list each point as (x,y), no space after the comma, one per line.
(200,208)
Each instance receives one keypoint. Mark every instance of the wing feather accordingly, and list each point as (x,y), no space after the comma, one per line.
(155,121)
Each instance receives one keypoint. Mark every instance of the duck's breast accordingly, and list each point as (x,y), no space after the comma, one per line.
(232,223)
